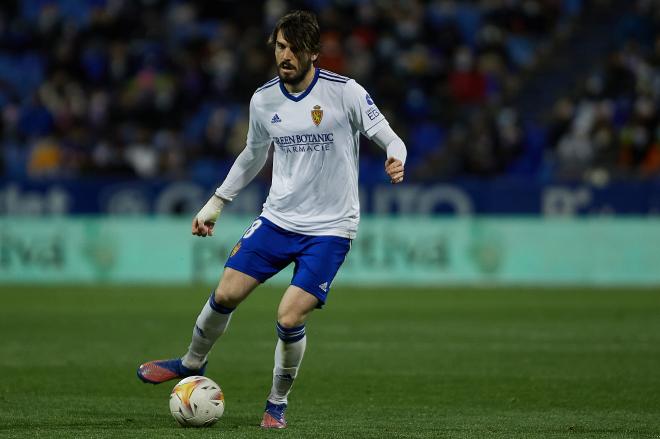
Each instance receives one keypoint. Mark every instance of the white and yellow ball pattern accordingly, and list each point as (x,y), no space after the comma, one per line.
(197,401)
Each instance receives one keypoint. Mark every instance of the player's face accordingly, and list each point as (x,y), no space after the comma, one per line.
(291,67)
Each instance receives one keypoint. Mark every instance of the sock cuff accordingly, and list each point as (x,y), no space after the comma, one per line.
(217,307)
(290,335)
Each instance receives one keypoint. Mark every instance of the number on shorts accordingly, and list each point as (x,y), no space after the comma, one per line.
(253,228)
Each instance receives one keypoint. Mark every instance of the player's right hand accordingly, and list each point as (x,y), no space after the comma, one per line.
(205,219)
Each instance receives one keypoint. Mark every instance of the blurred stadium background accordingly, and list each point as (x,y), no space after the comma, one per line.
(533,135)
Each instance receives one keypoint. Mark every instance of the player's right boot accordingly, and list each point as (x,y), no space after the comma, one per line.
(274,416)
(159,371)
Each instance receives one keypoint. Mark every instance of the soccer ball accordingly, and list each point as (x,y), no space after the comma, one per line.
(197,401)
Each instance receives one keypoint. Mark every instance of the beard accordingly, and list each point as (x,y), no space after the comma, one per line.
(299,74)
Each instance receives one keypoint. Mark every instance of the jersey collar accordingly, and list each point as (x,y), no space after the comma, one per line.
(303,94)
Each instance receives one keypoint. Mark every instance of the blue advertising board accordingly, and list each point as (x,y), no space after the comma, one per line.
(496,197)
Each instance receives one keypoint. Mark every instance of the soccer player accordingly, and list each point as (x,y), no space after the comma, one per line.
(313,119)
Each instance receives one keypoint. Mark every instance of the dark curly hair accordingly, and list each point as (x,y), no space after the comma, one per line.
(301,30)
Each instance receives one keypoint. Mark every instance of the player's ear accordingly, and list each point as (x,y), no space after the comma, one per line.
(315,56)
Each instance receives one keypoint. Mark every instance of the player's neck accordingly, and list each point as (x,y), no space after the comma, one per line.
(302,85)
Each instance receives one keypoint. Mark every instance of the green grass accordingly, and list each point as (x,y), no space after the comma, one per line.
(380,363)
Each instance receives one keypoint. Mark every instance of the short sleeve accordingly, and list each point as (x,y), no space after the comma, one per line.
(363,113)
(257,135)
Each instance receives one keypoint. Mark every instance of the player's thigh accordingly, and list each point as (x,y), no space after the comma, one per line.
(234,287)
(295,307)
(263,251)
(318,264)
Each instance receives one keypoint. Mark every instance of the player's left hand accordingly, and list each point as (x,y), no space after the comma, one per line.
(394,168)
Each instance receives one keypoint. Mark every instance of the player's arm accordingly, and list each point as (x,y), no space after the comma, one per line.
(246,166)
(365,116)
(387,139)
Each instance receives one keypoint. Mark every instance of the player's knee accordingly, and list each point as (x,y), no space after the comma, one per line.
(290,319)
(233,288)
(226,297)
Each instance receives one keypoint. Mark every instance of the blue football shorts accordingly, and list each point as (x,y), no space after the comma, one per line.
(265,249)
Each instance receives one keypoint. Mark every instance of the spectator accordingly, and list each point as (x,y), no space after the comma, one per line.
(153,88)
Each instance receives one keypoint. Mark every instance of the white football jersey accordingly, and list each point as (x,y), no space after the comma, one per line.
(316,137)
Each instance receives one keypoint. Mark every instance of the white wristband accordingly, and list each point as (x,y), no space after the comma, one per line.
(211,210)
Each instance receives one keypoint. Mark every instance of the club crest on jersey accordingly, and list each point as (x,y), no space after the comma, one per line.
(317,115)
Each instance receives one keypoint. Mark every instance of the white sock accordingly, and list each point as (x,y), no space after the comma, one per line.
(289,353)
(210,325)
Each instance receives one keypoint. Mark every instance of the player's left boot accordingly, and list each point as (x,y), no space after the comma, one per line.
(159,371)
(274,416)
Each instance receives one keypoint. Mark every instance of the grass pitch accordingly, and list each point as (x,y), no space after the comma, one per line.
(380,363)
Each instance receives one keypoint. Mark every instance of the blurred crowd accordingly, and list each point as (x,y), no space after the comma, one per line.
(610,127)
(160,88)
